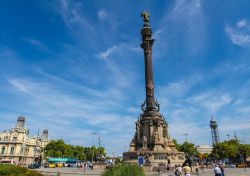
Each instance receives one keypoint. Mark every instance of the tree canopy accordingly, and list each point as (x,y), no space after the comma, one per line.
(186,147)
(231,149)
(58,148)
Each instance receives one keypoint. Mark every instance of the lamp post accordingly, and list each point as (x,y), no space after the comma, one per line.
(241,159)
(228,137)
(186,135)
(94,133)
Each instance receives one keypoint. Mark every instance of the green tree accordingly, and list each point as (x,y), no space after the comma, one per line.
(58,148)
(55,148)
(178,146)
(189,149)
(230,149)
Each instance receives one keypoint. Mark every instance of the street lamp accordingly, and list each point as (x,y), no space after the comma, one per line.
(228,137)
(186,135)
(94,133)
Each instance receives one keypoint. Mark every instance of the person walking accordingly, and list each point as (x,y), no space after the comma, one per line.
(187,170)
(179,170)
(217,170)
(222,170)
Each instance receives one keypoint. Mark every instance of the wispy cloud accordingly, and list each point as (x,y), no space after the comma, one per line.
(184,17)
(102,14)
(45,101)
(240,33)
(37,43)
(211,100)
(108,52)
(119,49)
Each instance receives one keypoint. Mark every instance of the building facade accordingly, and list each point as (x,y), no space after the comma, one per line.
(17,145)
(204,149)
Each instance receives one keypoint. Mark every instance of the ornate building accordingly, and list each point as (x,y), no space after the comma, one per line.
(151,139)
(17,145)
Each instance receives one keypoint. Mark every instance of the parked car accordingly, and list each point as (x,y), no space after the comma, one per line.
(34,166)
(52,165)
(71,165)
(231,166)
(243,165)
(6,161)
(59,165)
(45,165)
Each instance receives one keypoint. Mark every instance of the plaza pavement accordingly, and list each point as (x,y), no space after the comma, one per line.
(80,172)
(209,172)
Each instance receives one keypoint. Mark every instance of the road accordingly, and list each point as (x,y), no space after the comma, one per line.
(80,172)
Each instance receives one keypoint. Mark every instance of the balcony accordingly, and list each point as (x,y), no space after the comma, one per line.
(11,142)
(16,155)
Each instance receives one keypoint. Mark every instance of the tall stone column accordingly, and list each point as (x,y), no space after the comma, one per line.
(146,45)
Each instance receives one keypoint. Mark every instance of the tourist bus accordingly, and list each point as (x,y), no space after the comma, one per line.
(69,162)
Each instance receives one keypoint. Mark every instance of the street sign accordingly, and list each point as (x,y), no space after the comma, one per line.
(140,160)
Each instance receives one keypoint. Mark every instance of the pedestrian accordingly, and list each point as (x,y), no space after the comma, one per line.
(84,167)
(197,171)
(222,170)
(158,170)
(168,167)
(187,170)
(175,170)
(217,170)
(202,168)
(179,170)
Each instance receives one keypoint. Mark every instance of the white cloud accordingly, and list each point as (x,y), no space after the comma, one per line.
(36,43)
(244,110)
(20,84)
(61,110)
(182,19)
(240,34)
(242,23)
(118,49)
(212,101)
(102,14)
(178,88)
(108,52)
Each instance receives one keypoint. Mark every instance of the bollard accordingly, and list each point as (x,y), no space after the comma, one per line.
(58,174)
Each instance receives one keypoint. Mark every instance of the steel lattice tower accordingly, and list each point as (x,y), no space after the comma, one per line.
(214,131)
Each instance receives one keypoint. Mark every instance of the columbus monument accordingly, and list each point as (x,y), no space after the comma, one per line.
(151,140)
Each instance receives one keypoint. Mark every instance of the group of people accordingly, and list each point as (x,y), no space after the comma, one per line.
(186,170)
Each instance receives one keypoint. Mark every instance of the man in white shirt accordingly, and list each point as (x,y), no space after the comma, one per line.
(217,170)
(179,170)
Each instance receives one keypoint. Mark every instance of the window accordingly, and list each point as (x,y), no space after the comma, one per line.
(3,150)
(21,151)
(5,138)
(14,139)
(12,150)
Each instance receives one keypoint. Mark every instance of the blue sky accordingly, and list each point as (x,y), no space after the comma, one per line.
(74,67)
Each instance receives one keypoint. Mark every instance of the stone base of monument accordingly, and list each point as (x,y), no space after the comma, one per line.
(147,167)
(99,166)
(155,159)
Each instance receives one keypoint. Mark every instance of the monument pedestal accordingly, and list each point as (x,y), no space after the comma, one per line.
(148,167)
